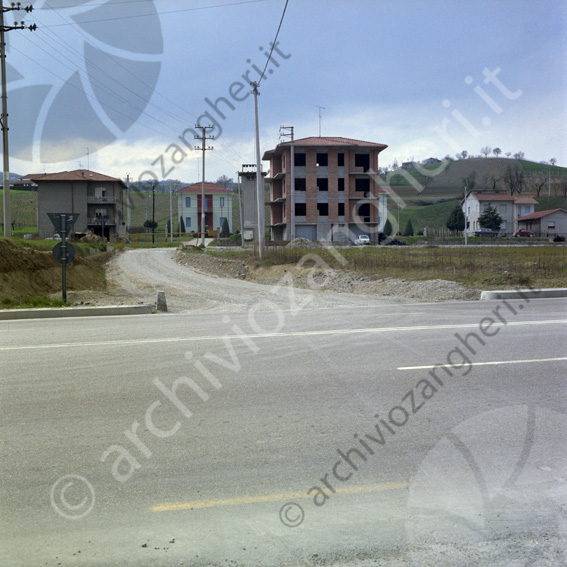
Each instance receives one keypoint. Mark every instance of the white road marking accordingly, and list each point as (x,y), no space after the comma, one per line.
(269,335)
(495,362)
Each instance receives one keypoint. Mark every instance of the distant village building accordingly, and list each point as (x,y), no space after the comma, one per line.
(98,199)
(335,198)
(218,206)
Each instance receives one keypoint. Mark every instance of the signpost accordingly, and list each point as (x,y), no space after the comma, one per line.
(63,252)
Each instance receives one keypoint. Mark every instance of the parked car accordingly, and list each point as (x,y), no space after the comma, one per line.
(362,240)
(486,232)
(524,232)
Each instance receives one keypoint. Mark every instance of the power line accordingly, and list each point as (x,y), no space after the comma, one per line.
(274,43)
(154,13)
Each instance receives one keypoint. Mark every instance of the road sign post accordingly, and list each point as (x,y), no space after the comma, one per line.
(63,252)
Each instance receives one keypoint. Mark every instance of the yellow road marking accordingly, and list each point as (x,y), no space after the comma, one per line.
(269,335)
(494,363)
(173,506)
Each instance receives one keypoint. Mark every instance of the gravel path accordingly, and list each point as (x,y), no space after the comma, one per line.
(137,276)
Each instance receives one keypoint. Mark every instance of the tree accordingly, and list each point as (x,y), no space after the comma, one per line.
(150,225)
(485,151)
(508,154)
(409,229)
(388,228)
(225,181)
(493,181)
(456,220)
(181,224)
(537,182)
(514,179)
(462,155)
(168,226)
(519,155)
(469,181)
(496,151)
(225,231)
(490,219)
(552,161)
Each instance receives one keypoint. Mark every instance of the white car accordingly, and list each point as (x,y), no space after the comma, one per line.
(362,240)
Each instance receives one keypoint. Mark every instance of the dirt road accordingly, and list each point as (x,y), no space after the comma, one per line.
(200,283)
(140,274)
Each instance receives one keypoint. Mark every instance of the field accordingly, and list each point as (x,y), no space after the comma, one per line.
(498,267)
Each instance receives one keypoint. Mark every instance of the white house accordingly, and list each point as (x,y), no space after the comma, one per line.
(510,208)
(218,206)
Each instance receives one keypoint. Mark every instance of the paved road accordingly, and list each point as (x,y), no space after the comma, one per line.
(388,433)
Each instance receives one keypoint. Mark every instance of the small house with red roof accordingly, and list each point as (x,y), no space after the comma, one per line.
(335,196)
(217,206)
(545,223)
(97,198)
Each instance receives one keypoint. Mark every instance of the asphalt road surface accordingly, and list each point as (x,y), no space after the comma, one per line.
(421,434)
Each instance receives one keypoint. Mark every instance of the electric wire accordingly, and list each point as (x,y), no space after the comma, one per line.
(274,43)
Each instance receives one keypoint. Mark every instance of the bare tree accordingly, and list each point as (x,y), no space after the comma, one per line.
(552,161)
(494,179)
(508,154)
(519,155)
(485,151)
(496,151)
(514,179)
(537,182)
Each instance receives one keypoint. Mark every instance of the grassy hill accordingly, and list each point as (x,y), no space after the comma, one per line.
(447,183)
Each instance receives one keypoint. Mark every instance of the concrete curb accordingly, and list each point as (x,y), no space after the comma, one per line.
(525,293)
(49,313)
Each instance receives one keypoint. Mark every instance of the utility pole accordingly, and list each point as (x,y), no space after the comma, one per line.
(4,118)
(170,212)
(203,148)
(466,215)
(153,212)
(259,179)
(320,108)
(128,203)
(289,134)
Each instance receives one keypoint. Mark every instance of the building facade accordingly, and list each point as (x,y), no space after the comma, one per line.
(248,202)
(218,206)
(510,208)
(336,197)
(550,223)
(98,199)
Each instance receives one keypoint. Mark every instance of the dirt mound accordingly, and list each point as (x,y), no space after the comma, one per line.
(302,244)
(204,263)
(26,272)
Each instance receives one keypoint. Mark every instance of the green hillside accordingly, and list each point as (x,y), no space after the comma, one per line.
(447,182)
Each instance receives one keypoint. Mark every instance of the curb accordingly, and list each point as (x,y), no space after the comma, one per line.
(50,313)
(525,293)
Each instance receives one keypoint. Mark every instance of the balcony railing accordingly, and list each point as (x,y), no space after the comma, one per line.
(92,199)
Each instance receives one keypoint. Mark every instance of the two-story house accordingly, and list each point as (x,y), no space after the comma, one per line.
(218,206)
(98,199)
(336,195)
(510,208)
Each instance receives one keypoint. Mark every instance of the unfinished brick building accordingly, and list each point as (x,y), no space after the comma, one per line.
(336,197)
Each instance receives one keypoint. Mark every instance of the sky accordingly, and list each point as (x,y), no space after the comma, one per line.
(118,86)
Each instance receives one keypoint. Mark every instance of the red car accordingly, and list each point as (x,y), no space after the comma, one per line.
(524,232)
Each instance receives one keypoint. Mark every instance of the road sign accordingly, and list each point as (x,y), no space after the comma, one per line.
(63,254)
(63,222)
